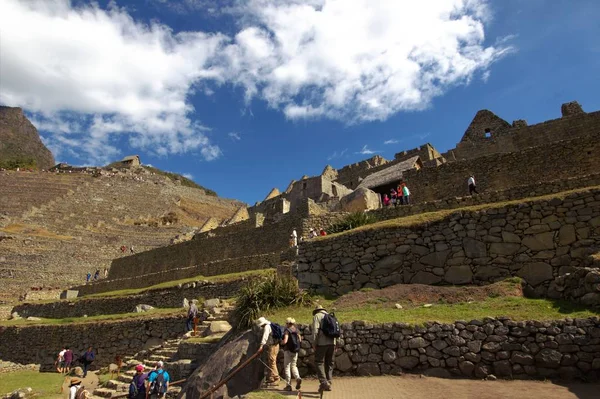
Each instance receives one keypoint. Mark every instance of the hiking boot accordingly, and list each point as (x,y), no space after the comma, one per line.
(298,383)
(288,388)
(324,387)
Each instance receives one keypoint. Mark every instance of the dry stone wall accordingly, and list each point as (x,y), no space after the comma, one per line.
(566,349)
(40,344)
(536,240)
(226,266)
(503,171)
(164,298)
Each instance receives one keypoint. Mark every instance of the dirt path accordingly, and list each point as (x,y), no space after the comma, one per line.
(415,387)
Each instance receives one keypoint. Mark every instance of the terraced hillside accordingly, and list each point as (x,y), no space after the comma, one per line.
(55,227)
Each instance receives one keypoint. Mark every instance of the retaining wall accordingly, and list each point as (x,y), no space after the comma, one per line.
(536,240)
(163,298)
(566,349)
(40,344)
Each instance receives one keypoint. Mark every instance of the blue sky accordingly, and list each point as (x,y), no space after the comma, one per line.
(248,95)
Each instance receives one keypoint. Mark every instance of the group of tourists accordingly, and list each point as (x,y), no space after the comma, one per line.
(398,196)
(153,384)
(88,276)
(66,360)
(312,233)
(325,331)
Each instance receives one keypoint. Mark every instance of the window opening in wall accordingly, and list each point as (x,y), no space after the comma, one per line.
(488,133)
(334,190)
(303,186)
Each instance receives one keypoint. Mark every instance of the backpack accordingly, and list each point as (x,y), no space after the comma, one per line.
(89,357)
(158,385)
(330,326)
(81,393)
(277,332)
(293,343)
(133,390)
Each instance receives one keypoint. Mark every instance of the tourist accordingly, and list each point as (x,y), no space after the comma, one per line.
(105,272)
(291,346)
(158,382)
(60,361)
(386,200)
(312,233)
(88,277)
(394,196)
(294,238)
(472,186)
(405,194)
(68,358)
(324,347)
(87,359)
(76,389)
(137,388)
(131,249)
(400,200)
(270,345)
(322,233)
(97,274)
(192,314)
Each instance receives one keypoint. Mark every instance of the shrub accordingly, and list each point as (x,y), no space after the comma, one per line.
(351,221)
(260,296)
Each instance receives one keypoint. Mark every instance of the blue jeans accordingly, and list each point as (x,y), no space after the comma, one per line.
(189,324)
(406,200)
(86,365)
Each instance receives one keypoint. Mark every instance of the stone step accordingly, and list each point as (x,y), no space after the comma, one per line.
(156,358)
(117,385)
(104,392)
(166,352)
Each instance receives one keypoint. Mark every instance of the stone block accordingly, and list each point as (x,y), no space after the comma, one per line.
(435,259)
(459,275)
(361,199)
(539,242)
(427,278)
(367,369)
(567,235)
(504,248)
(474,248)
(535,273)
(387,265)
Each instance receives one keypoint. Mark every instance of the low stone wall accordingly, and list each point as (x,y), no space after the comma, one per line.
(514,193)
(565,349)
(536,240)
(162,298)
(40,344)
(226,266)
(581,285)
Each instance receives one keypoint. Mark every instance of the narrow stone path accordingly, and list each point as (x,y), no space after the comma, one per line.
(416,387)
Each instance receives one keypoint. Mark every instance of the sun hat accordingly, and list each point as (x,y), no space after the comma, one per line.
(262,321)
(290,320)
(318,308)
(75,381)
(139,367)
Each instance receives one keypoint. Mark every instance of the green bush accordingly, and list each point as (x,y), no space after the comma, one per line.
(351,221)
(260,296)
(20,162)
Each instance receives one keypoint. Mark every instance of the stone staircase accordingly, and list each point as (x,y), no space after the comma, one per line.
(180,356)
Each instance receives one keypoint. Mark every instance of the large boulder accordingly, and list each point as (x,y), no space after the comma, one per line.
(222,362)
(361,199)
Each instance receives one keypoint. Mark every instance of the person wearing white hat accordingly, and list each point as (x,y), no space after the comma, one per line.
(271,345)
(158,382)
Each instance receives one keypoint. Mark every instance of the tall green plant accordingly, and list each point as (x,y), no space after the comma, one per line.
(259,296)
(351,221)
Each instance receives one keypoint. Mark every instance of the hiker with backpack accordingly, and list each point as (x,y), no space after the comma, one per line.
(325,331)
(137,387)
(272,334)
(76,388)
(87,359)
(158,382)
(291,346)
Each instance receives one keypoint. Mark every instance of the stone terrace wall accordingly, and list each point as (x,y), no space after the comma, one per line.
(488,197)
(163,298)
(503,171)
(508,349)
(520,138)
(227,266)
(262,240)
(537,240)
(40,344)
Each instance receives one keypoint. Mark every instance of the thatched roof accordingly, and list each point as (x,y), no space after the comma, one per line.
(389,175)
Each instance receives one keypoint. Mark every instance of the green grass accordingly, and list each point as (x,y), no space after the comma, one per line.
(222,278)
(514,307)
(93,319)
(432,217)
(45,385)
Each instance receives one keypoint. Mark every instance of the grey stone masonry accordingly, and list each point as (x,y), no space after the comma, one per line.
(536,240)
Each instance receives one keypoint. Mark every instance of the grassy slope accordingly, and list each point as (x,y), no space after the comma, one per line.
(513,307)
(45,385)
(184,180)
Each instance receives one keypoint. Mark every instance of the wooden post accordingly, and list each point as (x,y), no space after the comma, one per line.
(195,326)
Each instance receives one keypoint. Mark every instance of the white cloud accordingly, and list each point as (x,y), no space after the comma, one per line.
(234,136)
(124,76)
(188,176)
(391,141)
(366,151)
(337,154)
(358,60)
